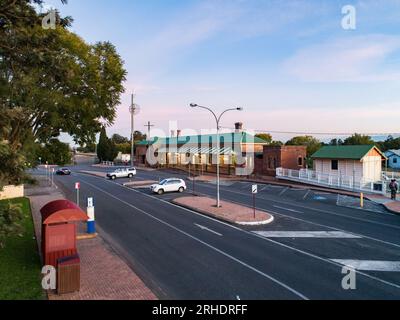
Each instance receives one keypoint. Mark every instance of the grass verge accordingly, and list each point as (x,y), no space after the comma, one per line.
(20,265)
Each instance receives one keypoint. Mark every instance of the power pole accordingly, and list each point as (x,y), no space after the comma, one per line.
(149,126)
(132,110)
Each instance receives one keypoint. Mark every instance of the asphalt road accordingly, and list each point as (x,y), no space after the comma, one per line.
(181,254)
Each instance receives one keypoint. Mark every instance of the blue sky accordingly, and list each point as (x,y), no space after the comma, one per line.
(290,64)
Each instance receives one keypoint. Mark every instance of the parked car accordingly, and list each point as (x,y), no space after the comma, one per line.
(63,172)
(122,173)
(169,185)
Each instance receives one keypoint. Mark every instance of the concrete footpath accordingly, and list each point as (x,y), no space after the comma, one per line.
(104,275)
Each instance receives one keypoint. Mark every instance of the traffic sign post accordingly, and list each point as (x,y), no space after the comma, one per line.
(77,188)
(52,176)
(254,191)
(91,226)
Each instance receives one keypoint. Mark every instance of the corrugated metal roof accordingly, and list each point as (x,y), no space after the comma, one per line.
(356,152)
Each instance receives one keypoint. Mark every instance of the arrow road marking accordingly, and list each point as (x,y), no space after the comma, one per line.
(207,229)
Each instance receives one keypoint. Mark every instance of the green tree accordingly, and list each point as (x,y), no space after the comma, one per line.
(359,139)
(312,144)
(106,148)
(275,143)
(55,152)
(102,145)
(51,81)
(118,139)
(53,78)
(336,142)
(264,136)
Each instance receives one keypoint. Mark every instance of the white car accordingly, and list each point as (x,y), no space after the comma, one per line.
(169,185)
(122,173)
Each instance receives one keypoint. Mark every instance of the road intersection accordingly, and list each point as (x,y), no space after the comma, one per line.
(181,254)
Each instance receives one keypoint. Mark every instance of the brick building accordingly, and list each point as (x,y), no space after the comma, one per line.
(237,150)
(273,157)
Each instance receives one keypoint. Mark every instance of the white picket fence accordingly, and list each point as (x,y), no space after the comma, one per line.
(332,181)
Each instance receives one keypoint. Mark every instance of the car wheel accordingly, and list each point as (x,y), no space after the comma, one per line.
(161,191)
(130,176)
(113,177)
(181,189)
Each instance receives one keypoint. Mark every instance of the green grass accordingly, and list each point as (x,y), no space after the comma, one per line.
(20,267)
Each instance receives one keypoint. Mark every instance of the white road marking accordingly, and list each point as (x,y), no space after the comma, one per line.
(291,210)
(306,195)
(294,291)
(237,298)
(264,188)
(207,229)
(371,265)
(283,191)
(307,234)
(279,243)
(320,210)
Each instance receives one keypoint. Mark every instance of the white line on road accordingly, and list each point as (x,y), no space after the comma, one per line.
(264,188)
(207,229)
(371,265)
(295,292)
(279,243)
(283,191)
(306,195)
(307,234)
(287,209)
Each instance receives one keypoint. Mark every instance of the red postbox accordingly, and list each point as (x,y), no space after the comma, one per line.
(59,220)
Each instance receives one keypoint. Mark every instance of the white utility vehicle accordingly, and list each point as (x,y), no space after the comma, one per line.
(169,185)
(122,173)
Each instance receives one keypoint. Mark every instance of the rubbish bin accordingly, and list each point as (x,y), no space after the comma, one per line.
(68,274)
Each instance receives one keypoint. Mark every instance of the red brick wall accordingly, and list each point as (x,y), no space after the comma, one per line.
(284,156)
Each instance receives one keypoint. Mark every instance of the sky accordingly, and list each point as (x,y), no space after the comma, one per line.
(290,64)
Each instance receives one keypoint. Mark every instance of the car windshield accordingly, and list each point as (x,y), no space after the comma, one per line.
(164,182)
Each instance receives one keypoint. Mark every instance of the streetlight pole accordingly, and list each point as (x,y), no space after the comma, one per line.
(217,120)
(133,109)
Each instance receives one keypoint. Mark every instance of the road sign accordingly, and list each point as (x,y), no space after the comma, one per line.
(77,186)
(254,189)
(90,202)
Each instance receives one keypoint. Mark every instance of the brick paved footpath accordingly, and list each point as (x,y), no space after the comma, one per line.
(104,275)
(230,212)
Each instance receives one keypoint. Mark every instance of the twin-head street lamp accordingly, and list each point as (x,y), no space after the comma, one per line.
(217,120)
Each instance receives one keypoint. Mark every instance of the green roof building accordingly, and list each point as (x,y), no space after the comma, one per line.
(361,162)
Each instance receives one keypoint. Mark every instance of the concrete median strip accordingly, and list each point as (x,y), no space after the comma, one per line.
(230,212)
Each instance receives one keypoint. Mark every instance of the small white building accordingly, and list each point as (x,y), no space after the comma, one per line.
(393,159)
(360,162)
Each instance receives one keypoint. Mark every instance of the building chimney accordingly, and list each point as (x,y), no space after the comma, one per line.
(238,127)
(178,133)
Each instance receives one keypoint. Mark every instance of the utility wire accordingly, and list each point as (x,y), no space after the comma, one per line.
(323,133)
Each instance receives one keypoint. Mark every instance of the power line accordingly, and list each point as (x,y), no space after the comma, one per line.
(323,133)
